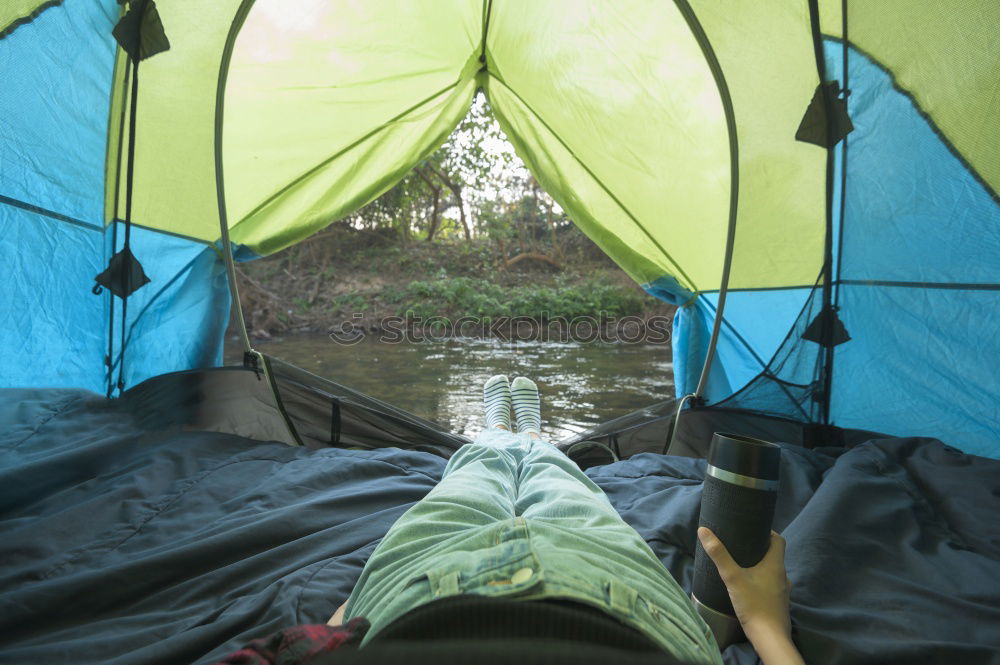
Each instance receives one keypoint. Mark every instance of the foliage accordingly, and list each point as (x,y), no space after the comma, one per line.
(468,296)
(473,186)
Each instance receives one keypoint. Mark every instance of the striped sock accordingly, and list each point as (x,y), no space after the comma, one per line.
(496,398)
(527,409)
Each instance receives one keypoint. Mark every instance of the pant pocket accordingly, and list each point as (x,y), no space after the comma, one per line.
(675,622)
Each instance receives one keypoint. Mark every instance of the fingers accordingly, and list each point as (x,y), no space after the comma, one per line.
(718,553)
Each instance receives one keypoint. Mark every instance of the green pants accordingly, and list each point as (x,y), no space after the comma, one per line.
(513,516)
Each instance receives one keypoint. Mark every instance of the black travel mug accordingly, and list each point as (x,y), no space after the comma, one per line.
(737,504)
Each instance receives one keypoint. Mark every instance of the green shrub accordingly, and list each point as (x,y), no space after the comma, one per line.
(350,302)
(468,296)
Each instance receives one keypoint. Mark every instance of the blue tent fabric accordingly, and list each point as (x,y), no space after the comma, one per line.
(58,330)
(124,545)
(916,283)
(919,272)
(53,236)
(46,261)
(53,132)
(55,118)
(178,320)
(755,324)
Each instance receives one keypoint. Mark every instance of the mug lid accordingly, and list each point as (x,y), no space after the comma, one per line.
(745,455)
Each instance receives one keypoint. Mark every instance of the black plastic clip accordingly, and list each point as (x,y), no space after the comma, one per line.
(251,360)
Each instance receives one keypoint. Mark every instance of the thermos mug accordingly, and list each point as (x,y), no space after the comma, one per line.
(737,504)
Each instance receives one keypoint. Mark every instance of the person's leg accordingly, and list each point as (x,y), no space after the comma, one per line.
(578,535)
(552,487)
(526,406)
(549,484)
(477,490)
(478,484)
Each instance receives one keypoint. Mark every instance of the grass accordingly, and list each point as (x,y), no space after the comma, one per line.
(468,296)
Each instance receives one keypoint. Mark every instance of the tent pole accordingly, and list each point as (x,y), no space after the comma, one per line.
(220,188)
(734,184)
(826,347)
(126,86)
(734,187)
(251,357)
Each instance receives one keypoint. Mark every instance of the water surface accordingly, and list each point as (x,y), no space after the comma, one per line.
(581,384)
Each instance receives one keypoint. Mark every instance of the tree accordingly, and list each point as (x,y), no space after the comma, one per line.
(435,187)
(477,177)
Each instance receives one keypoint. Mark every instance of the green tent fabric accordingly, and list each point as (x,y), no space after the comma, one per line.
(944,55)
(327,108)
(14,13)
(320,118)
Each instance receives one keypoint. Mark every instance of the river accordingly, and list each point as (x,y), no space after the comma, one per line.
(581,384)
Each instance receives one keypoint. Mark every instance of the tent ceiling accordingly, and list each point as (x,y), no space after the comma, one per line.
(613,107)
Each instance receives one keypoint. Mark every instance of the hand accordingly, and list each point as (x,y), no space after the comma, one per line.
(759,594)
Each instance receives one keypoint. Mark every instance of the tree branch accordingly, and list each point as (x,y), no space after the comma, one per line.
(525,256)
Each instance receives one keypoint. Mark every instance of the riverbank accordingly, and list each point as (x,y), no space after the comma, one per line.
(351,282)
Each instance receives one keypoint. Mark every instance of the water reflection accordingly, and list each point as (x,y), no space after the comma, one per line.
(581,384)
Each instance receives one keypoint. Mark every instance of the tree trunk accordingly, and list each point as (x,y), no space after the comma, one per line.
(503,248)
(456,189)
(461,214)
(432,227)
(435,216)
(556,249)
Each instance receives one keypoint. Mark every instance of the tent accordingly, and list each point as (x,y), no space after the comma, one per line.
(812,182)
(848,229)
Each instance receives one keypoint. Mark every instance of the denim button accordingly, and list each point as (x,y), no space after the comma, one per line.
(522,575)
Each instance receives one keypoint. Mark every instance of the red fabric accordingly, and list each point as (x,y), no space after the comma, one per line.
(299,644)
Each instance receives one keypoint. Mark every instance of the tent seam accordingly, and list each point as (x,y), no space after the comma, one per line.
(25,20)
(599,182)
(923,114)
(57,411)
(38,210)
(305,175)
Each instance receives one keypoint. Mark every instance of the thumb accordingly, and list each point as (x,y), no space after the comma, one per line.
(717,552)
